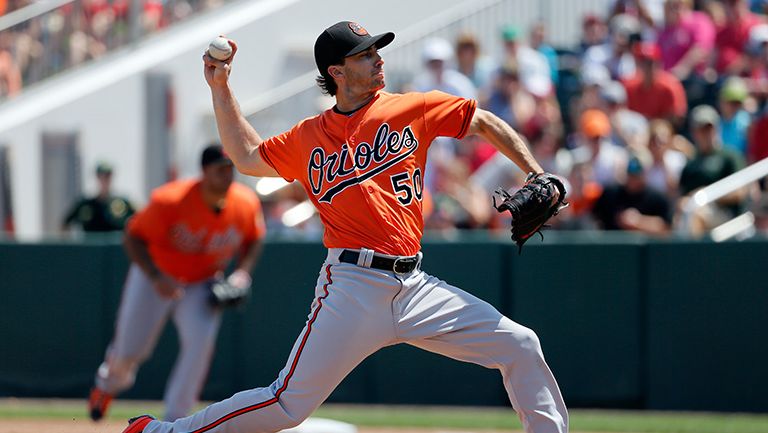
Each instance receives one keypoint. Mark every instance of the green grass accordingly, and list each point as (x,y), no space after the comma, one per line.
(581,420)
(459,418)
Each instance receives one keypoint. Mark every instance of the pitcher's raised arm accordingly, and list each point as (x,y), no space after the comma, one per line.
(238,137)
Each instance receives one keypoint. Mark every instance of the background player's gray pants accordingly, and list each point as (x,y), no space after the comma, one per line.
(359,310)
(141,319)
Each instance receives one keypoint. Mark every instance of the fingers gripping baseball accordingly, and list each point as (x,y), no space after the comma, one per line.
(217,71)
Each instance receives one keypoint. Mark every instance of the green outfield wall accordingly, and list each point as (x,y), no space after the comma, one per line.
(624,321)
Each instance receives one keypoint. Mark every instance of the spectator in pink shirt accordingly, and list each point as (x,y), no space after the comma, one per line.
(686,40)
(732,37)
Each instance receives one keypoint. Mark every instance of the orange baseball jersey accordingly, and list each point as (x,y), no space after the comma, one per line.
(364,171)
(186,238)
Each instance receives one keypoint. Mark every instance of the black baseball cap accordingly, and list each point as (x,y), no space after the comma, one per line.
(214,154)
(103,168)
(344,39)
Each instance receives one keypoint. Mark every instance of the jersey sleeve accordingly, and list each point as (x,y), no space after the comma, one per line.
(72,215)
(150,223)
(447,115)
(281,152)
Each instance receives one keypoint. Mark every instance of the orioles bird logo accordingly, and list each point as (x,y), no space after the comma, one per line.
(358,29)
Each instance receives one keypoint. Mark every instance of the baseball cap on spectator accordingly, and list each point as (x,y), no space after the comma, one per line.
(509,69)
(594,124)
(466,40)
(734,90)
(103,168)
(647,51)
(537,85)
(590,20)
(510,33)
(436,49)
(594,74)
(345,39)
(704,115)
(624,24)
(758,36)
(214,154)
(614,92)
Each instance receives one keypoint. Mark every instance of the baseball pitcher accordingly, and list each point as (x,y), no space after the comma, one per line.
(362,165)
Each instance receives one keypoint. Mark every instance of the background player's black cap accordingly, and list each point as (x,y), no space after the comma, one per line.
(103,168)
(344,39)
(214,154)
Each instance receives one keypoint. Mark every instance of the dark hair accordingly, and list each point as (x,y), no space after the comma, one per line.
(327,85)
(326,82)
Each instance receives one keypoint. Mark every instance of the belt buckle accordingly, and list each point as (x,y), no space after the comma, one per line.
(403,265)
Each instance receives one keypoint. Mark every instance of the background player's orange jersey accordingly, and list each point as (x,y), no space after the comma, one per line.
(186,238)
(364,172)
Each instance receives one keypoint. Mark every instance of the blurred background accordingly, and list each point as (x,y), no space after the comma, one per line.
(649,285)
(604,91)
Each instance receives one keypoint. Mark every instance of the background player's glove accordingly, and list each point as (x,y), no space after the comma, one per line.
(541,198)
(231,292)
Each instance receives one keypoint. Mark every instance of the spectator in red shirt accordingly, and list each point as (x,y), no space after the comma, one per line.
(732,37)
(653,92)
(757,146)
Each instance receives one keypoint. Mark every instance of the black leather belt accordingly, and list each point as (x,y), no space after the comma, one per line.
(400,265)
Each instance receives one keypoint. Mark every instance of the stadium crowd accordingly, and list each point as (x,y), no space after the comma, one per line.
(77,32)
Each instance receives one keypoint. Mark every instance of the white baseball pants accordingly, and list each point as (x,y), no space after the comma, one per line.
(356,312)
(140,321)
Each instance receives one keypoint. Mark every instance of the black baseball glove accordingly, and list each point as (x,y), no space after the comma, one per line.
(226,293)
(541,198)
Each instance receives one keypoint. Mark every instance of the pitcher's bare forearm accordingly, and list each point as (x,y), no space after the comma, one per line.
(238,137)
(505,139)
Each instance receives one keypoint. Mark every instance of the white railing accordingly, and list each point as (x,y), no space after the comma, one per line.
(731,183)
(26,13)
(739,227)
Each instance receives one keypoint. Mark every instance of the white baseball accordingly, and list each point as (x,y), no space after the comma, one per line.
(220,49)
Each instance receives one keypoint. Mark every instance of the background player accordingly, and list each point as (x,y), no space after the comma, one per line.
(362,164)
(103,212)
(190,231)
